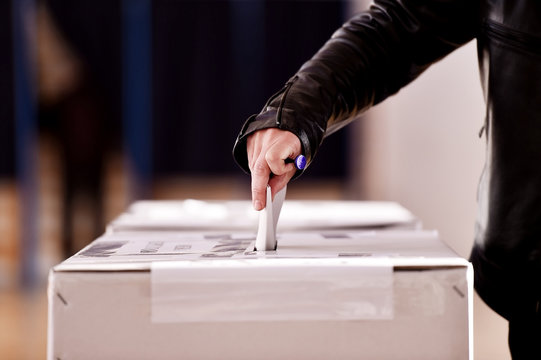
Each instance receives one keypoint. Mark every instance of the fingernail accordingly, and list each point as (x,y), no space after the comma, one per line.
(257,205)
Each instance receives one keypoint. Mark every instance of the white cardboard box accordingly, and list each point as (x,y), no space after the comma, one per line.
(335,294)
(191,214)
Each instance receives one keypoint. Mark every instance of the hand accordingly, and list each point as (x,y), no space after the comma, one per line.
(267,151)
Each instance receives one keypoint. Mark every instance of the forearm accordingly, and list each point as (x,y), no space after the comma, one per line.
(368,59)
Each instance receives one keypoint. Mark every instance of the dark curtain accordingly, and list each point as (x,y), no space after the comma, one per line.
(7,118)
(87,121)
(216,62)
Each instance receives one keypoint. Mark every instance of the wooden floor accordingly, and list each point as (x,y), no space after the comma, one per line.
(23,324)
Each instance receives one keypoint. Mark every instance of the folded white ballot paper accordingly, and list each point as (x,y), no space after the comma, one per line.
(268,220)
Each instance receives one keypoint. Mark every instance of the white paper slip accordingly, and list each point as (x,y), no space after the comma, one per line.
(268,220)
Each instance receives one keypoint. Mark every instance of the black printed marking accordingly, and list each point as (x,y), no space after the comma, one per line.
(62,299)
(358,254)
(335,236)
(217,237)
(458,291)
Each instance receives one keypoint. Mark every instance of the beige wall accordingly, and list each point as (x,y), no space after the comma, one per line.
(422,149)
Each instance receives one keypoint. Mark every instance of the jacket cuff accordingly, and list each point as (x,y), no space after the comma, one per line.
(266,120)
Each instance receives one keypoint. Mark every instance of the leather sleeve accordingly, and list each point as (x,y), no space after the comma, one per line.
(368,59)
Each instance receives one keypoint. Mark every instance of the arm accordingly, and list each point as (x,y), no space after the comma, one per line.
(368,59)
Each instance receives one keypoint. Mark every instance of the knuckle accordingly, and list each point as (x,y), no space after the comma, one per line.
(260,168)
(258,192)
(271,156)
(275,163)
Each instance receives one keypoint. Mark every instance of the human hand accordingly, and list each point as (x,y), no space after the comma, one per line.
(267,151)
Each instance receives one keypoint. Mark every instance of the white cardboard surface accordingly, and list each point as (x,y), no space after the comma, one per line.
(304,215)
(104,315)
(271,290)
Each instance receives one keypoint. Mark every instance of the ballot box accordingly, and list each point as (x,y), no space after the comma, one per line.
(326,294)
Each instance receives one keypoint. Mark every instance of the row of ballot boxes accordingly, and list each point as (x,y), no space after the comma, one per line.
(181,280)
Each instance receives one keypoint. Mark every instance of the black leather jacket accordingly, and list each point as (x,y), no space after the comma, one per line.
(379,51)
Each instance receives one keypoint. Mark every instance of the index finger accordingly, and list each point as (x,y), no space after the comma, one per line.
(260,178)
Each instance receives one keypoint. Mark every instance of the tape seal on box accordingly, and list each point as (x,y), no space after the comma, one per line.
(271,290)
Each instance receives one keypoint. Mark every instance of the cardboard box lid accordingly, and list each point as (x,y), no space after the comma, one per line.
(127,251)
(316,275)
(239,215)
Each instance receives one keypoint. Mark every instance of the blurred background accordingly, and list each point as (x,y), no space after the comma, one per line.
(105,102)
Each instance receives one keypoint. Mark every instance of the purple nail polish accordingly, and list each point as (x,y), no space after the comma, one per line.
(300,162)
